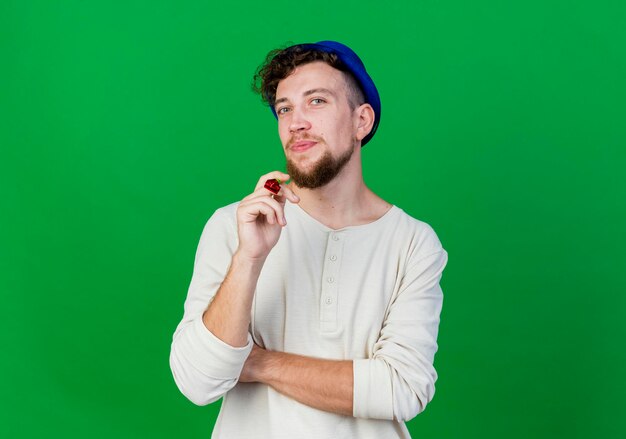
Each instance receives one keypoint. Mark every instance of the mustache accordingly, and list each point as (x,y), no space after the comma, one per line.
(304,138)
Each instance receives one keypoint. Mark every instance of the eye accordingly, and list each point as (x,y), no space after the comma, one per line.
(317,101)
(282,110)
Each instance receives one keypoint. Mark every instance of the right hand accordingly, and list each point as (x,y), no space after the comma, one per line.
(261,217)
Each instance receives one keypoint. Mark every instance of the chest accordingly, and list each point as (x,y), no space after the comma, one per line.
(325,297)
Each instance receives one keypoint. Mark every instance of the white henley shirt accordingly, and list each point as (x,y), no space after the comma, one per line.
(367,293)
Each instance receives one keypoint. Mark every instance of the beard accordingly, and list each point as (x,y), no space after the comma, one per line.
(323,172)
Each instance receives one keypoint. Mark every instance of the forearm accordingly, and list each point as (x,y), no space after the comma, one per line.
(322,384)
(228,315)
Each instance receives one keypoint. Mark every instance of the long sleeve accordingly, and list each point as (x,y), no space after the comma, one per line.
(398,381)
(203,366)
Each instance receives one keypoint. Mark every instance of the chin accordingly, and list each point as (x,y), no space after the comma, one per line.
(305,163)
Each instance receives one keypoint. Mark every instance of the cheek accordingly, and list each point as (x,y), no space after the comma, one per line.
(283,133)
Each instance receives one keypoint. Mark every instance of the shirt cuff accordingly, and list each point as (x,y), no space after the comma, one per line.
(372,389)
(211,355)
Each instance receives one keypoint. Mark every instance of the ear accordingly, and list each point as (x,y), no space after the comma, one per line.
(364,117)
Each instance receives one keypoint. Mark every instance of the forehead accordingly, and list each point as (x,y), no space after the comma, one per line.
(309,76)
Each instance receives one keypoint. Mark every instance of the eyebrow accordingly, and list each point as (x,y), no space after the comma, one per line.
(307,93)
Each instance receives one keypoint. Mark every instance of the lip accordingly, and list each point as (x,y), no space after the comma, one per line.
(303,145)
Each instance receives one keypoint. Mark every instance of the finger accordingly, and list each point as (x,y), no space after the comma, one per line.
(252,211)
(284,193)
(272,203)
(280,196)
(287,193)
(263,198)
(274,174)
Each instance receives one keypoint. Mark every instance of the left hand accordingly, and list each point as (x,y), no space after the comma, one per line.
(252,367)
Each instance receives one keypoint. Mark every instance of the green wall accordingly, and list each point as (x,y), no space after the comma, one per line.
(125,124)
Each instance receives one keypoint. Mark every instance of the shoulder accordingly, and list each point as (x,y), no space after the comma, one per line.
(224,215)
(221,225)
(421,235)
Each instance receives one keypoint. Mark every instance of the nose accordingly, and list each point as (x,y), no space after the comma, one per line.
(298,121)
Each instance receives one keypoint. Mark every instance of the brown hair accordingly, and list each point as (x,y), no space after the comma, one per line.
(280,63)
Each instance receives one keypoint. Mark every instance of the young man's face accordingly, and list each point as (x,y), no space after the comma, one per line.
(315,123)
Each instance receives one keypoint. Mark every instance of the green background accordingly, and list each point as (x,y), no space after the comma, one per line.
(125,124)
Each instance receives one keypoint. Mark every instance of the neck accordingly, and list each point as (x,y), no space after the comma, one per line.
(345,201)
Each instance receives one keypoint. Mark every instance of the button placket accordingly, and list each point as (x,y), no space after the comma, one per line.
(330,276)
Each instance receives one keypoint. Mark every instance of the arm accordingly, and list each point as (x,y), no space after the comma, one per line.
(398,381)
(260,219)
(212,342)
(228,315)
(322,384)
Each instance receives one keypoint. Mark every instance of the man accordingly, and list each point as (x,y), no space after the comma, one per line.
(314,312)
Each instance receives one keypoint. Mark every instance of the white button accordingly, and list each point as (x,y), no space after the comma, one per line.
(333,258)
(329,300)
(335,238)
(331,280)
